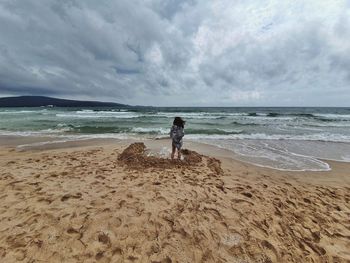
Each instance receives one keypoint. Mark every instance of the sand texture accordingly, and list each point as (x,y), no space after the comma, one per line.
(100,204)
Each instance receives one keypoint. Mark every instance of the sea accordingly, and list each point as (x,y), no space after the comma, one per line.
(294,139)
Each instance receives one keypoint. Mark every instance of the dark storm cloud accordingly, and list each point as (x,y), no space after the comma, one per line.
(182,52)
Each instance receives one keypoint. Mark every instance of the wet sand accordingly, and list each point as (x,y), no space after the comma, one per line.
(93,201)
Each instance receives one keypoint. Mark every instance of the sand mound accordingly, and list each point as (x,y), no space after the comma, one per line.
(134,157)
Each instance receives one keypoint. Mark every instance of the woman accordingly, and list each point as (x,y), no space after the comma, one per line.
(176,134)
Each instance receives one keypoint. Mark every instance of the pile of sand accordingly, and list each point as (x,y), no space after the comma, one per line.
(134,156)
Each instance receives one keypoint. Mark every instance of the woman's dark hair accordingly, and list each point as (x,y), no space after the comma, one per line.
(178,121)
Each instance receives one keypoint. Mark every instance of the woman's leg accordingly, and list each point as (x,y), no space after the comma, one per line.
(179,154)
(173,151)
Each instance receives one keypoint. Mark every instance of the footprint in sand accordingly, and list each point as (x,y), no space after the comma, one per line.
(238,200)
(161,200)
(247,194)
(104,238)
(68,196)
(99,255)
(71,231)
(117,222)
(214,212)
(2,252)
(45,200)
(316,248)
(270,251)
(116,254)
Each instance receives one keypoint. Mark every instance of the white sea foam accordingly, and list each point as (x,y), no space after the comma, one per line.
(264,154)
(63,127)
(338,124)
(20,112)
(36,144)
(346,158)
(234,131)
(158,130)
(98,114)
(47,132)
(333,116)
(64,139)
(197,115)
(262,136)
(58,134)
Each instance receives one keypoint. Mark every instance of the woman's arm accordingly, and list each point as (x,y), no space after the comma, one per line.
(181,133)
(171,132)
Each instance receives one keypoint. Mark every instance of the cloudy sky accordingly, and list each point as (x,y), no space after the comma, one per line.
(178,52)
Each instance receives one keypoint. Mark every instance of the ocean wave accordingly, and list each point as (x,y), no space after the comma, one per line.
(162,131)
(132,114)
(326,137)
(98,129)
(21,111)
(247,123)
(332,117)
(191,134)
(64,127)
(57,134)
(322,116)
(198,115)
(305,115)
(216,131)
(156,130)
(268,119)
(277,114)
(46,132)
(330,124)
(98,114)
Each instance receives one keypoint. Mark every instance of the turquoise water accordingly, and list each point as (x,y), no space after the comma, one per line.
(281,138)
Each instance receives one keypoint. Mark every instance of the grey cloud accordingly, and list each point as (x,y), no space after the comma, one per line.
(177,52)
(168,9)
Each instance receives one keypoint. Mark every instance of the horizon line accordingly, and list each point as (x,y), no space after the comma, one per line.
(295,106)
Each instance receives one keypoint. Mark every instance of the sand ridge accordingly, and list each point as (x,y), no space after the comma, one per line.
(108,204)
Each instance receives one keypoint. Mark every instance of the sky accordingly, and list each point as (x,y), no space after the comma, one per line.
(178,52)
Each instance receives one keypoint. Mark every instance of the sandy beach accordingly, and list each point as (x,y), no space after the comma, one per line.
(112,202)
(97,96)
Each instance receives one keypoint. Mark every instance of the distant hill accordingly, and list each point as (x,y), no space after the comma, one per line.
(38,101)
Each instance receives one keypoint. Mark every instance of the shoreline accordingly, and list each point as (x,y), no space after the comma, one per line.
(155,146)
(48,143)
